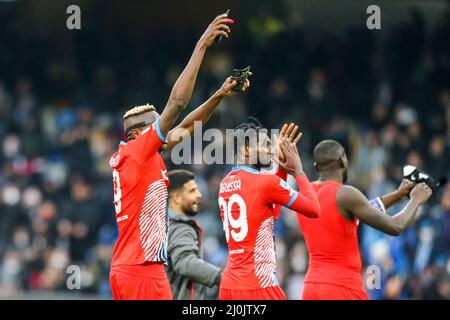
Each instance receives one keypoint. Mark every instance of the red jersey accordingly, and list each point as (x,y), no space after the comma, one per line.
(332,242)
(140,199)
(248,201)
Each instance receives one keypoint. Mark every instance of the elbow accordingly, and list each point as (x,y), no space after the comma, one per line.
(309,206)
(184,265)
(316,211)
(395,231)
(178,103)
(313,212)
(180,269)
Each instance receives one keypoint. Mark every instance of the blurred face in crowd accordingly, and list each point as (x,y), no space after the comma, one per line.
(379,112)
(437,146)
(187,198)
(445,201)
(81,191)
(139,123)
(414,159)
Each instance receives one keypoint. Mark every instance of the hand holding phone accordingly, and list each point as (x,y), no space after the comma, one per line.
(240,75)
(219,38)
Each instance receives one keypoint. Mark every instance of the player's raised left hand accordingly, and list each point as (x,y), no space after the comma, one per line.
(218,27)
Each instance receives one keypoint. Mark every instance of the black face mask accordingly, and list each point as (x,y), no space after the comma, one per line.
(137,125)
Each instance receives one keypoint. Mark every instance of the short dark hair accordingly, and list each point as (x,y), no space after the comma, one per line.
(178,178)
(252,124)
(327,152)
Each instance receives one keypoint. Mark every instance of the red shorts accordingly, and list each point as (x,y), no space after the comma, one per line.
(326,291)
(270,293)
(140,282)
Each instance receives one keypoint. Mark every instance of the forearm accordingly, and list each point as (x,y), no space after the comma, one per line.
(197,270)
(404,218)
(186,127)
(182,90)
(391,198)
(283,176)
(307,202)
(202,113)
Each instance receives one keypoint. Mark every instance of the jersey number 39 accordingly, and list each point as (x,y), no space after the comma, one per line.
(238,226)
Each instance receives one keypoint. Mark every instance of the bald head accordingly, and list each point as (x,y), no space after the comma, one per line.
(329,155)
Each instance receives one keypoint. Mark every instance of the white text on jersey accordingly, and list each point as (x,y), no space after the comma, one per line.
(230,186)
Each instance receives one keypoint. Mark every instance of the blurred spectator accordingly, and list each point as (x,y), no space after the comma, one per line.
(60,121)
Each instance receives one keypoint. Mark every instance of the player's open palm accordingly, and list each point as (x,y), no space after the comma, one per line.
(292,164)
(288,132)
(218,27)
(421,193)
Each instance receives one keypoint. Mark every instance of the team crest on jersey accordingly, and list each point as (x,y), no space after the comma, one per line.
(114,161)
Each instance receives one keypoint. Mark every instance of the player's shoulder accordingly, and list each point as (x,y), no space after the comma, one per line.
(151,132)
(229,176)
(231,182)
(347,193)
(118,157)
(269,177)
(232,176)
(346,188)
(269,181)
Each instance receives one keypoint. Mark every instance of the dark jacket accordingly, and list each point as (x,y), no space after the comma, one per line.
(188,273)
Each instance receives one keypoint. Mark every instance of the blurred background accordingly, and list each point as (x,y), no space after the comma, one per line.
(384,94)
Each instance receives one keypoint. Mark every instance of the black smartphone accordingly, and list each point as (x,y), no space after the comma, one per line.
(219,38)
(240,75)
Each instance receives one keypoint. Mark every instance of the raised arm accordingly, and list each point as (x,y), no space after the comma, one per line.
(351,201)
(182,90)
(388,200)
(202,113)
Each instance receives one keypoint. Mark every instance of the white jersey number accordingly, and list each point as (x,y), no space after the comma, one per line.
(229,221)
(117,192)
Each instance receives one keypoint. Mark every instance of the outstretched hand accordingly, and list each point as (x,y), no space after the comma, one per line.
(405,188)
(288,132)
(218,27)
(292,164)
(421,192)
(227,87)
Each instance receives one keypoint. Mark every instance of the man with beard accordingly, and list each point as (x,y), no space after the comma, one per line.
(334,271)
(188,273)
(249,202)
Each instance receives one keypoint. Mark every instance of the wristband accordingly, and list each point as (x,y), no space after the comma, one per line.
(378,203)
